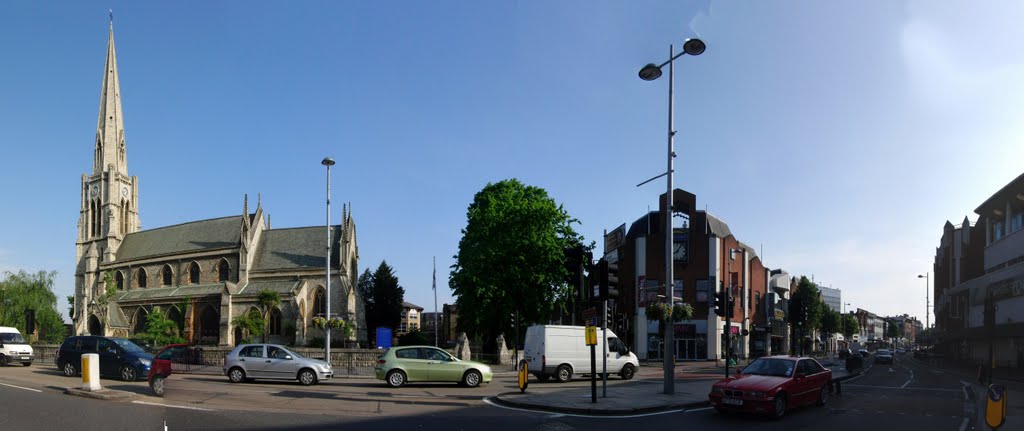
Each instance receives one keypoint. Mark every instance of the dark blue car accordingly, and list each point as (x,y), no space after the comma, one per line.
(118,357)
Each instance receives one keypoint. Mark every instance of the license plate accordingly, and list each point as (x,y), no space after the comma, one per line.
(732,401)
(25,358)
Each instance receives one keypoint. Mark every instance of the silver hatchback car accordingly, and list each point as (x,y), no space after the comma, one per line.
(271,361)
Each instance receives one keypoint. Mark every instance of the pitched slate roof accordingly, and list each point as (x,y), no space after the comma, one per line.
(181,238)
(411,306)
(717,227)
(294,248)
(172,292)
(279,286)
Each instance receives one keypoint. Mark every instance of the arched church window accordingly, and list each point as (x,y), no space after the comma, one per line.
(223,270)
(141,276)
(318,303)
(193,273)
(166,274)
(119,280)
(275,321)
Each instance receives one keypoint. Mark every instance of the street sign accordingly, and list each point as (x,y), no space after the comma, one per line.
(590,316)
(524,373)
(591,335)
(615,238)
(995,406)
(641,300)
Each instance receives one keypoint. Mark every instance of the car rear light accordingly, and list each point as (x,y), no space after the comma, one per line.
(381,362)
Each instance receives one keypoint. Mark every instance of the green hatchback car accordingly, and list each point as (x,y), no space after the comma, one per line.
(400,365)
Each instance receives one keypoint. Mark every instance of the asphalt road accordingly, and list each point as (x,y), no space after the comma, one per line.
(906,395)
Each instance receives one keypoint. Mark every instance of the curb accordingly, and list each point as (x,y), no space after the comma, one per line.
(102,394)
(501,399)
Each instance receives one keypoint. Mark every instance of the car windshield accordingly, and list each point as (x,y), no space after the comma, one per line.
(128,346)
(770,367)
(12,337)
(294,354)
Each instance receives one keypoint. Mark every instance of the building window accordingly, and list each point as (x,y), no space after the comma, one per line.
(193,273)
(119,280)
(167,275)
(275,322)
(223,270)
(997,231)
(1017,222)
(141,275)
(318,303)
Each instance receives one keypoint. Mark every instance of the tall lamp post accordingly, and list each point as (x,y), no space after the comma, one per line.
(927,300)
(651,72)
(327,161)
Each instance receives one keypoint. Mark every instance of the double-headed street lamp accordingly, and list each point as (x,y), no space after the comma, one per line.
(327,161)
(651,72)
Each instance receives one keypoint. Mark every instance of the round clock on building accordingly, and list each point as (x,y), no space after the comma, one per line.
(124,191)
(95,190)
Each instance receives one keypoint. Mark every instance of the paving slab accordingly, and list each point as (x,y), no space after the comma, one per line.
(102,394)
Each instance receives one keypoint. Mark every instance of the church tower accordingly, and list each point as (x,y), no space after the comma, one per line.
(110,208)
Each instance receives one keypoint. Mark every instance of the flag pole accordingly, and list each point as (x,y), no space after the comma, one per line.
(436,328)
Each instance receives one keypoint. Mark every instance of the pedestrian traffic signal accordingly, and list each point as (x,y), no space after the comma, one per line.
(730,303)
(612,278)
(720,303)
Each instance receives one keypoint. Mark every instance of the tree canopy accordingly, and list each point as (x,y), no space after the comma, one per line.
(830,320)
(160,331)
(850,326)
(268,300)
(511,259)
(388,296)
(804,308)
(25,291)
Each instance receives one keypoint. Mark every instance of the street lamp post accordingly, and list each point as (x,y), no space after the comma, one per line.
(327,161)
(927,300)
(651,72)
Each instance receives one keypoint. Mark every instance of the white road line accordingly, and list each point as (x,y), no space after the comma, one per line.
(172,406)
(493,404)
(21,387)
(963,425)
(700,409)
(963,387)
(911,376)
(901,388)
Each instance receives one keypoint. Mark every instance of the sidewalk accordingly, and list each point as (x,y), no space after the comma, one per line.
(645,395)
(1010,379)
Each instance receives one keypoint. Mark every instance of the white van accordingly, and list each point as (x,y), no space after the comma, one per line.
(561,351)
(13,347)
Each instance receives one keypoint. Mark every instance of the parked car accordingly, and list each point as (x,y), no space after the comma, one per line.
(561,351)
(118,357)
(247,362)
(900,351)
(13,347)
(863,353)
(399,365)
(163,363)
(883,356)
(772,386)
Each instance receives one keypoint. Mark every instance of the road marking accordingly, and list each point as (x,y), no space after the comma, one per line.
(700,409)
(911,376)
(905,389)
(172,406)
(963,386)
(21,387)
(963,425)
(488,401)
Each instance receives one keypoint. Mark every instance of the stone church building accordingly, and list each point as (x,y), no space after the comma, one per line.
(201,273)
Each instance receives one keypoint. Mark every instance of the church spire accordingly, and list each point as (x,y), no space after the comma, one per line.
(110,145)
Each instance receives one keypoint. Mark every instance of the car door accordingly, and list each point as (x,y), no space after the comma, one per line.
(819,376)
(413,361)
(280,363)
(107,351)
(615,358)
(252,360)
(443,367)
(807,388)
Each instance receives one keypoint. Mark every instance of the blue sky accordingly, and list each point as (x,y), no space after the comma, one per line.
(839,137)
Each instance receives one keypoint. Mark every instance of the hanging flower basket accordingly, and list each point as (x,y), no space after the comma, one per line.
(337,323)
(320,322)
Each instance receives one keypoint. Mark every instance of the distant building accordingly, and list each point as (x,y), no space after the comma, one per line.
(449,324)
(410,318)
(833,298)
(430,322)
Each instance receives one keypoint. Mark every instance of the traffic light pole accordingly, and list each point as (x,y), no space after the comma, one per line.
(604,350)
(726,327)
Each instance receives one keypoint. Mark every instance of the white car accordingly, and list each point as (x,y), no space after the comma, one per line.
(561,351)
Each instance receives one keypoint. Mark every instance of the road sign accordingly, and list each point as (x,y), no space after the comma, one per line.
(591,335)
(524,373)
(590,316)
(995,406)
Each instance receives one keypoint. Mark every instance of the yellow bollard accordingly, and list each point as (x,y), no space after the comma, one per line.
(91,372)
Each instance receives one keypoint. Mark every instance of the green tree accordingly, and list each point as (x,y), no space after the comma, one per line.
(414,338)
(511,260)
(103,301)
(268,300)
(365,286)
(161,331)
(893,330)
(25,291)
(388,297)
(805,309)
(850,326)
(251,323)
(830,320)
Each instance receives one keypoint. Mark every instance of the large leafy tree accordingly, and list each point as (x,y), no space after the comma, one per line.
(511,260)
(388,296)
(25,291)
(365,286)
(160,330)
(850,326)
(268,300)
(805,308)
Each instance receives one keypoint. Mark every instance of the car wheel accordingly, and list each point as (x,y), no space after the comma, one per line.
(396,378)
(236,375)
(69,369)
(563,373)
(627,372)
(128,373)
(307,377)
(472,379)
(3,361)
(543,377)
(780,406)
(158,385)
(823,396)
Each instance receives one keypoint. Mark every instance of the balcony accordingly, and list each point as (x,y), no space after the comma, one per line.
(1005,249)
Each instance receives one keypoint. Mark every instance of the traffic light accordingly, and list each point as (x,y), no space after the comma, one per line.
(612,279)
(729,306)
(720,303)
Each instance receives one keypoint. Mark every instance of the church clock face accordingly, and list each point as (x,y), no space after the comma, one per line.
(95,190)
(124,191)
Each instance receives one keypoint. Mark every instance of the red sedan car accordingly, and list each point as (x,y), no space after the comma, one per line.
(162,364)
(773,385)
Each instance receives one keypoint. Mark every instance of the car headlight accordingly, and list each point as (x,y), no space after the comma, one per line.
(145,361)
